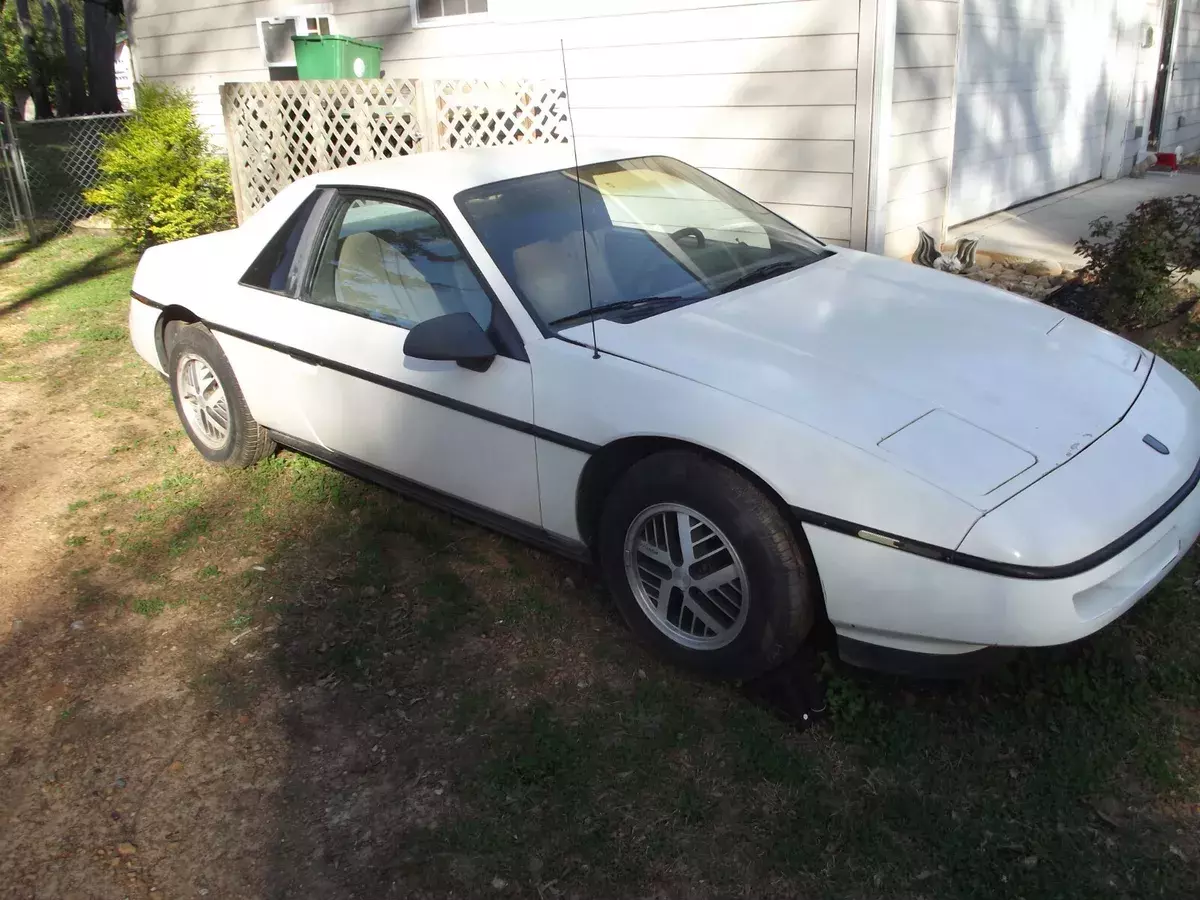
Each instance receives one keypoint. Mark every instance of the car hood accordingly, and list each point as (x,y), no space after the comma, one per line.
(974,389)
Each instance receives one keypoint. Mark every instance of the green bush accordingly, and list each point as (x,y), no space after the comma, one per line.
(1134,268)
(159,179)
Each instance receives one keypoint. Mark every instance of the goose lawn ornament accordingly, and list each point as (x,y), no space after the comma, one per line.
(927,254)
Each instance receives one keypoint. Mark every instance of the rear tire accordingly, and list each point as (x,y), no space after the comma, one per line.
(735,603)
(210,402)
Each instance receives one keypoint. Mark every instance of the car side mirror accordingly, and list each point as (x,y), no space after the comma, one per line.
(454,337)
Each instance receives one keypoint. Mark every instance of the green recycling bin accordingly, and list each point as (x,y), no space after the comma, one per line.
(326,56)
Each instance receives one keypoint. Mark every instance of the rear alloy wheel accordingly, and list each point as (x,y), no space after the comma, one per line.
(210,402)
(205,406)
(704,567)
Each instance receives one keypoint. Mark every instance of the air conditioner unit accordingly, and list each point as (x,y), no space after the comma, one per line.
(275,32)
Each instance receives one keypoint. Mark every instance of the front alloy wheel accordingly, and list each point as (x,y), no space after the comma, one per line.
(686,576)
(704,567)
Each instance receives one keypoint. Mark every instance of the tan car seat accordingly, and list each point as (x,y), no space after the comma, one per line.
(551,273)
(373,277)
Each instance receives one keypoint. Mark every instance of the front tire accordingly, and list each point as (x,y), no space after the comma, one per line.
(210,402)
(704,567)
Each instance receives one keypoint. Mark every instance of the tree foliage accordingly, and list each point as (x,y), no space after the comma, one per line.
(51,43)
(159,179)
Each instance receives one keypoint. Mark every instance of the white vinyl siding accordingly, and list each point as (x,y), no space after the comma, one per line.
(1184,98)
(761,93)
(1033,96)
(922,111)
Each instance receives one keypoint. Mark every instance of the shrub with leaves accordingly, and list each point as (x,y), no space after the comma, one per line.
(159,179)
(1135,268)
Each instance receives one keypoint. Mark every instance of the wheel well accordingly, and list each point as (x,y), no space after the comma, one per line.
(170,314)
(613,460)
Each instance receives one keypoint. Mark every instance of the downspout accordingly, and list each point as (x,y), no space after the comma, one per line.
(1172,66)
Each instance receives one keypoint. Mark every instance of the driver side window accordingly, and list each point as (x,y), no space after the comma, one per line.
(395,263)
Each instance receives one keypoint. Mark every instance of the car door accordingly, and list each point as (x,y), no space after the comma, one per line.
(383,263)
(256,323)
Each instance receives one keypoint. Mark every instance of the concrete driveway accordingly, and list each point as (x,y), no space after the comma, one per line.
(1048,228)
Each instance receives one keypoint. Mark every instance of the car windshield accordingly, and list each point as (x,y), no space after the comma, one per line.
(658,234)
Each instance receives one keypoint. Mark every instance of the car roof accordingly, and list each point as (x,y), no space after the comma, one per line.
(447,172)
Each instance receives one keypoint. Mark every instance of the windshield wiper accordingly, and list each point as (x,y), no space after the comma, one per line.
(762,273)
(639,305)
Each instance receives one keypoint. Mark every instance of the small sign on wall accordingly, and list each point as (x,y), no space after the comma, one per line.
(123,67)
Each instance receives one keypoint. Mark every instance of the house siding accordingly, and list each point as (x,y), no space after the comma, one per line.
(1184,98)
(922,121)
(760,94)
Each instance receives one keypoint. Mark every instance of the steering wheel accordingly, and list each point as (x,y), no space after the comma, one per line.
(689,232)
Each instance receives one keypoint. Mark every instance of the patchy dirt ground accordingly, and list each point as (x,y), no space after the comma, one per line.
(285,683)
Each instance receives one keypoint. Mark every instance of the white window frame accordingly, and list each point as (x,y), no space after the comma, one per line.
(299,16)
(445,21)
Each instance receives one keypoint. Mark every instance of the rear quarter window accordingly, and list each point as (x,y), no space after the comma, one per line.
(274,269)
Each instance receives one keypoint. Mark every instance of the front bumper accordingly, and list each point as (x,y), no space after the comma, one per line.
(908,602)
(1056,563)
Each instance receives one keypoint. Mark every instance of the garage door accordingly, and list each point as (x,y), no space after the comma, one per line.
(1032,101)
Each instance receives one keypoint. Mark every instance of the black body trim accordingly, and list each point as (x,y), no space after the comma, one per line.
(420,393)
(143,299)
(481,515)
(505,421)
(807,516)
(478,412)
(911,664)
(1007,570)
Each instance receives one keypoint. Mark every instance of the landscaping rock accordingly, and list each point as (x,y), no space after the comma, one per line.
(1040,267)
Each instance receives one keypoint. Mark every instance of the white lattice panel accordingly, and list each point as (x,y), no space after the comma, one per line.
(280,131)
(474,113)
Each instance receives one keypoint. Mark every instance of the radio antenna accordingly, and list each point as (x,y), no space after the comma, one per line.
(587,269)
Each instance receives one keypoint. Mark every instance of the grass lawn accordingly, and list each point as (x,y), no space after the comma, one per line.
(285,682)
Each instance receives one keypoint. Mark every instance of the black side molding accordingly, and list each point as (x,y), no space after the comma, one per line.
(481,515)
(806,516)
(993,567)
(143,299)
(910,664)
(478,412)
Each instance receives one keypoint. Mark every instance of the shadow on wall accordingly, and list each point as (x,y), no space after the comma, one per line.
(796,156)
(1032,106)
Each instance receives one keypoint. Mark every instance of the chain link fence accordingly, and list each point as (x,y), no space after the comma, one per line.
(60,160)
(12,222)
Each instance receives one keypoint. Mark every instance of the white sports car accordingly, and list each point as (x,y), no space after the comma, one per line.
(632,363)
